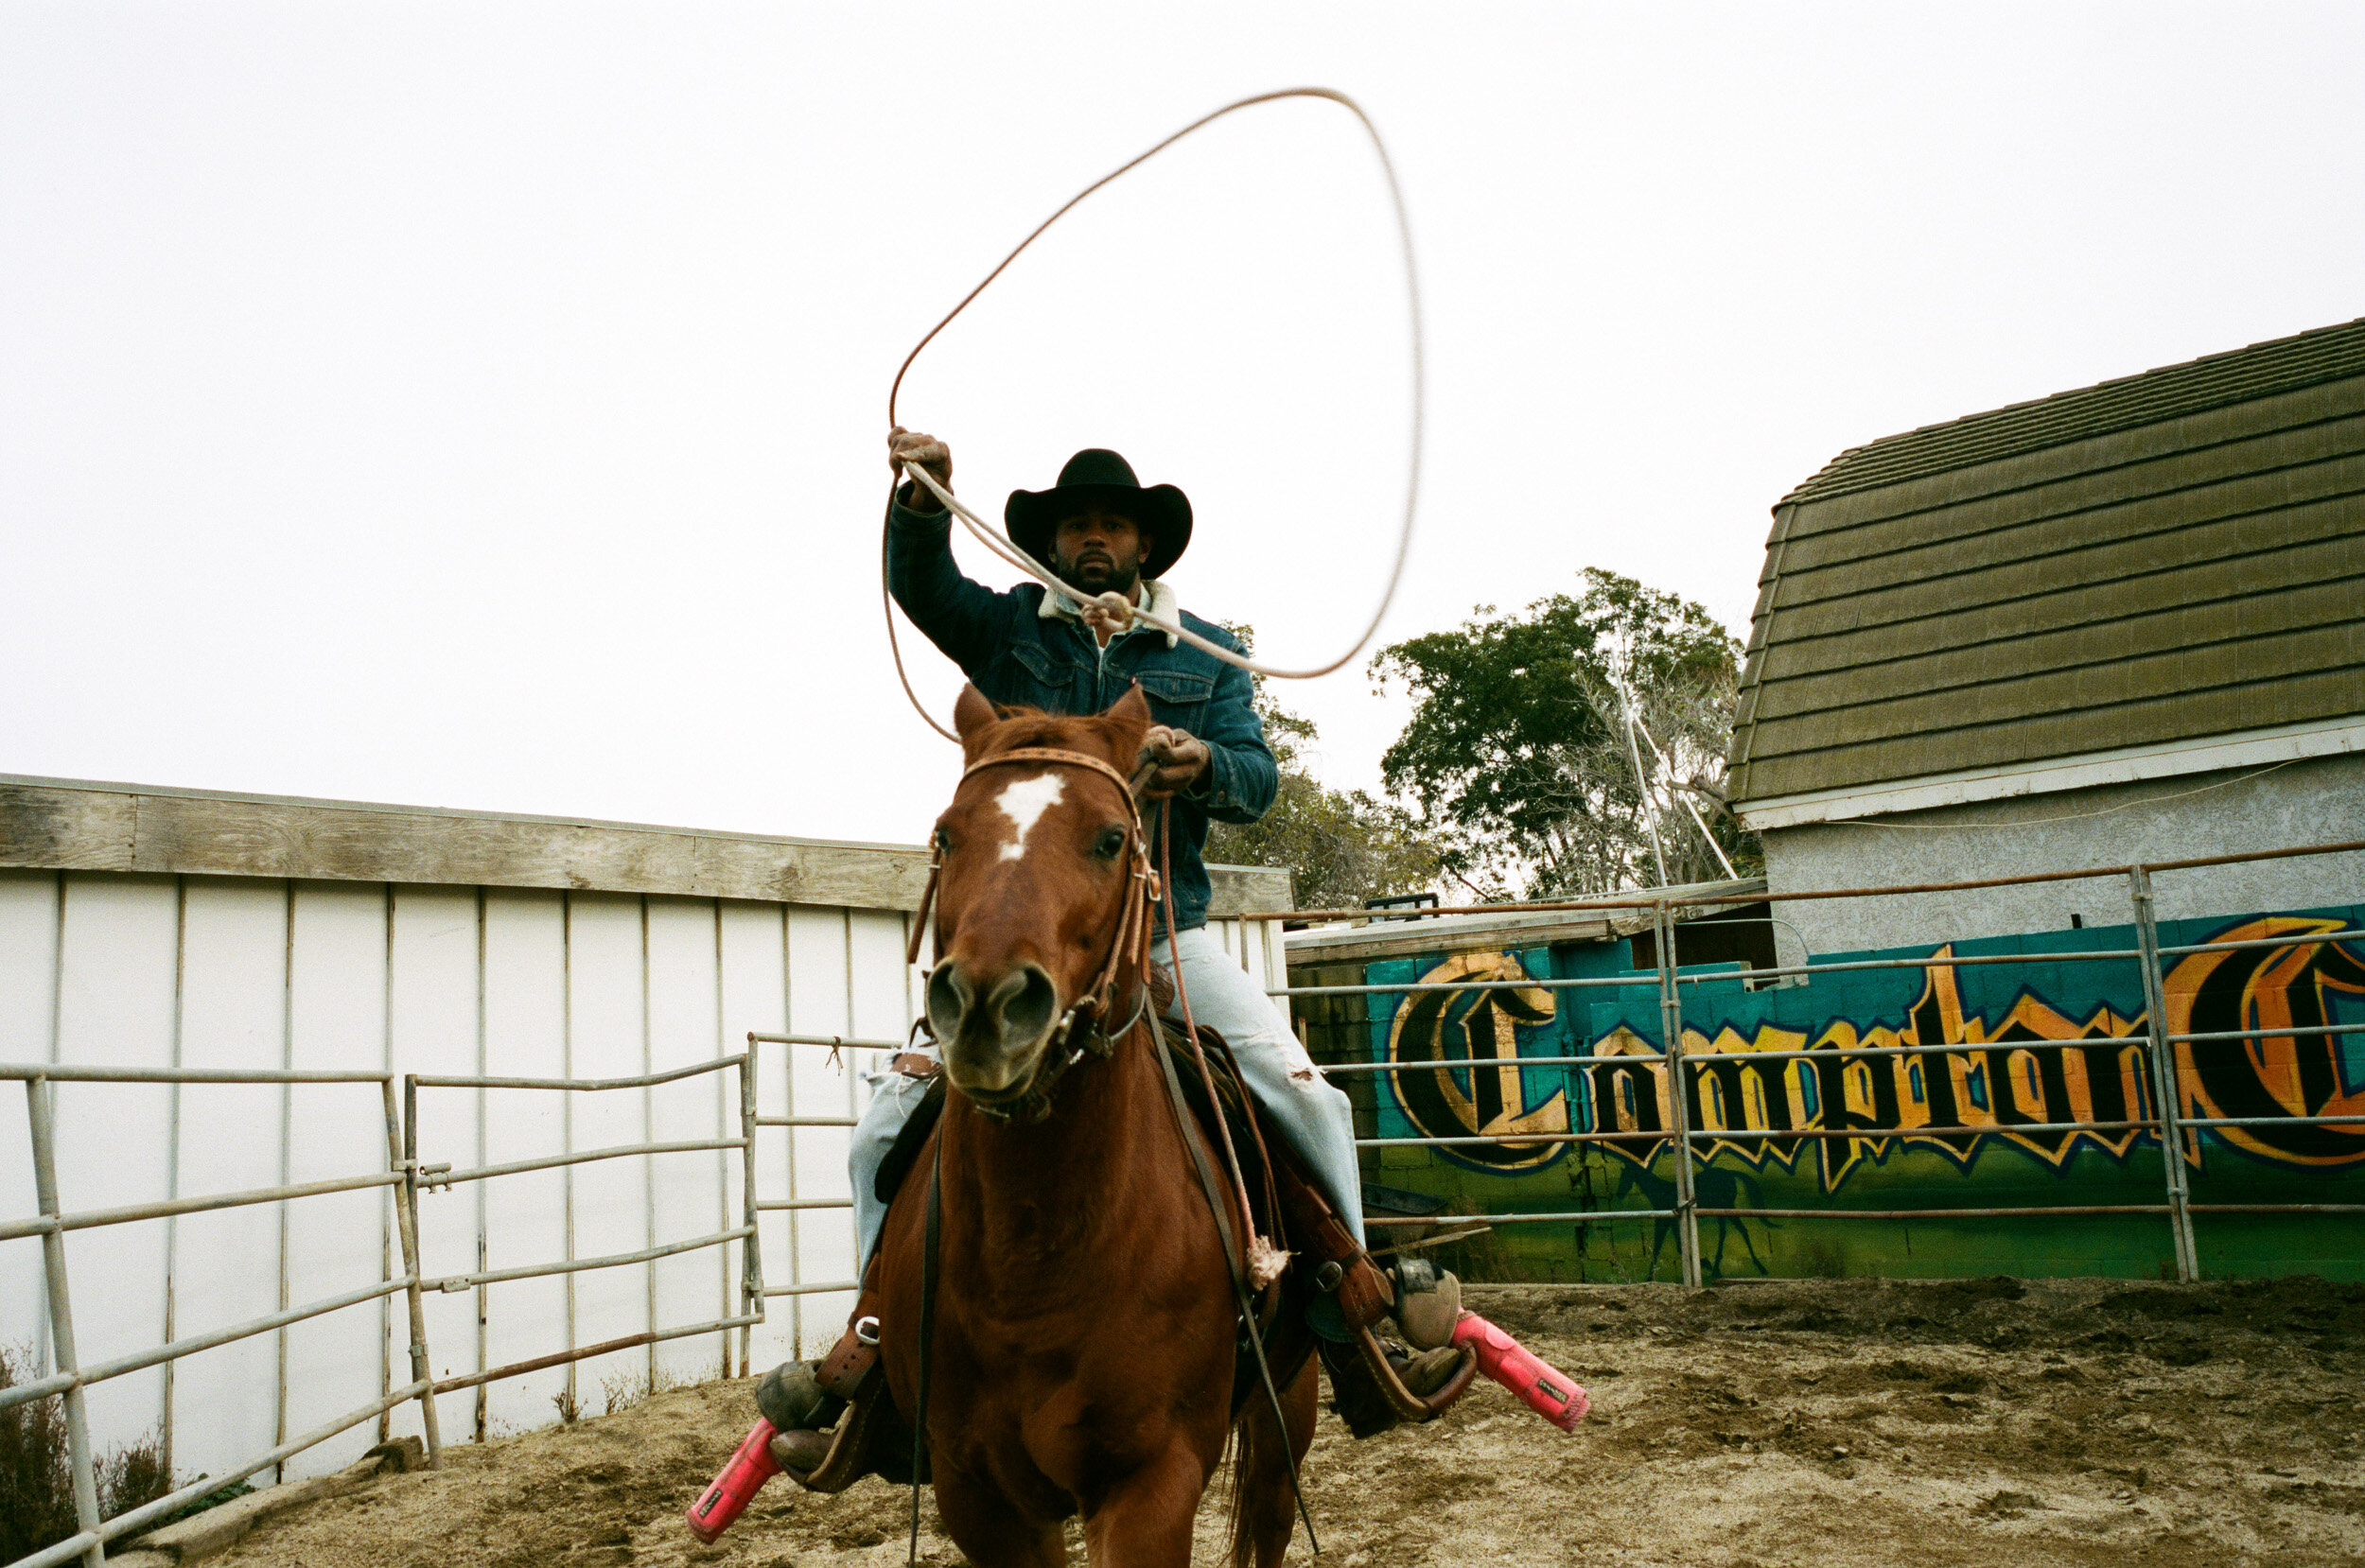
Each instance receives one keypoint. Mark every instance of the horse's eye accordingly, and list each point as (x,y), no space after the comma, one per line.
(941,840)
(1110,845)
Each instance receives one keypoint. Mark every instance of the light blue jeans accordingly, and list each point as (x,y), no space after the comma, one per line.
(1301,1102)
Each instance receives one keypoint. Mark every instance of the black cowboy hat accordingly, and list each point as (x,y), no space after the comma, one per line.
(1098,477)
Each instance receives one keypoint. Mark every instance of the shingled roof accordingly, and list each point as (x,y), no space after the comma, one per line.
(2174,554)
(2239,375)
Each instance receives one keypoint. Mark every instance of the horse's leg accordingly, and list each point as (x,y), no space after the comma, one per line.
(1263,1508)
(1145,1520)
(991,1532)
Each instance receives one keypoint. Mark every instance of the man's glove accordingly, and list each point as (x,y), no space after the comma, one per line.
(1181,759)
(918,450)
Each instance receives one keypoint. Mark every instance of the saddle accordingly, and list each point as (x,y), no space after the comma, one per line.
(1239,1120)
(1347,1293)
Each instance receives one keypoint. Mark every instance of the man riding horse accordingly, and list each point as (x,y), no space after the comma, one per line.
(1101,531)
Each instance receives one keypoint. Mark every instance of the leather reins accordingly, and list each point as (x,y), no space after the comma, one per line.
(1242,1270)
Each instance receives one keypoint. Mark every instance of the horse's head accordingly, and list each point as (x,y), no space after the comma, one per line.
(1038,858)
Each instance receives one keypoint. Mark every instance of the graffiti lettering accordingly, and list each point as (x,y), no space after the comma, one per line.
(2300,986)
(1480,1089)
(2033,1066)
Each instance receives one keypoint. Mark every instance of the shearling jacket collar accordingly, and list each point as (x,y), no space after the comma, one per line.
(1157,598)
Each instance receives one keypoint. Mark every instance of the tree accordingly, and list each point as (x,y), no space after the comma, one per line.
(1518,752)
(1344,846)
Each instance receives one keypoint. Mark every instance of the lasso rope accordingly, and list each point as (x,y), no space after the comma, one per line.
(1113,608)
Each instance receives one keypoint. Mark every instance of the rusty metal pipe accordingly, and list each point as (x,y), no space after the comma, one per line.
(2345,847)
(642,1080)
(561,1358)
(485,1172)
(1589,1216)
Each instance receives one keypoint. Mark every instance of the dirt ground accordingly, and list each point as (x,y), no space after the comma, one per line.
(1775,1425)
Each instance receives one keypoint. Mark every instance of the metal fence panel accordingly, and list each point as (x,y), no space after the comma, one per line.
(1682,1052)
(337,1018)
(526,1029)
(81,1374)
(114,1144)
(688,1195)
(227,973)
(752,994)
(434,1004)
(573,1265)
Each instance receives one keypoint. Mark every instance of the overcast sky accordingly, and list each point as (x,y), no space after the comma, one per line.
(484,405)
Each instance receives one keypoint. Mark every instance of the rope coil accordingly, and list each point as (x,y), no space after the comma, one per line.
(1114,607)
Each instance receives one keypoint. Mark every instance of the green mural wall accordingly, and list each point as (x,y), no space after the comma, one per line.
(1480,1088)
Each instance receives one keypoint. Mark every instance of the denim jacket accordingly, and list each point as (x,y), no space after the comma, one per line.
(1013,651)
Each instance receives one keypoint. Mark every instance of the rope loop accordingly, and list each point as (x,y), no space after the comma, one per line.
(1113,606)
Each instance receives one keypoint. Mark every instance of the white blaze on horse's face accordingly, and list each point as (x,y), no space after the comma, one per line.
(1025,803)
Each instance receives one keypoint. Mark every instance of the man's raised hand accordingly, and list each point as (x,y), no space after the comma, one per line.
(917,450)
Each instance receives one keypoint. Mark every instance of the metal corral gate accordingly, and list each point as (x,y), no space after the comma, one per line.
(2160,1067)
(404,1176)
(72,1378)
(440,1176)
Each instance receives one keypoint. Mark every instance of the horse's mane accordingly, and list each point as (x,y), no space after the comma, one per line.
(1019,725)
(995,729)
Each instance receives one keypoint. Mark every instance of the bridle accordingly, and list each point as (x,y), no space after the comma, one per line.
(1084,1026)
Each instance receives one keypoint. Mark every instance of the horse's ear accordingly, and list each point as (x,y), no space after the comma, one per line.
(1131,711)
(972,713)
(1127,720)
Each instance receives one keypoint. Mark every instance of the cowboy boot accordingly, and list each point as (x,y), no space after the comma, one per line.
(1427,1304)
(801,1412)
(1355,1390)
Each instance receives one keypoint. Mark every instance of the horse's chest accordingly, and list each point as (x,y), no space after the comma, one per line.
(1079,1419)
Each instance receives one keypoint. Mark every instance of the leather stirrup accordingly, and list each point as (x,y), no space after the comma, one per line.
(1342,1268)
(850,1372)
(1403,1401)
(849,1458)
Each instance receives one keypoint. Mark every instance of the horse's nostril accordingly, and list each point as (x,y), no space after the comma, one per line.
(948,999)
(1024,1004)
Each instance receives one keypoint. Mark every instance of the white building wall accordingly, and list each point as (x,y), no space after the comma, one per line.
(2320,800)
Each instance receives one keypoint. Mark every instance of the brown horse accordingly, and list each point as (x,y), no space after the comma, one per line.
(1085,1320)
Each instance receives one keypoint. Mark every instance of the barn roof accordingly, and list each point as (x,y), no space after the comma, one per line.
(2134,565)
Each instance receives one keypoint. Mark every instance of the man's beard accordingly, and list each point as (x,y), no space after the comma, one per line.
(1097,578)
